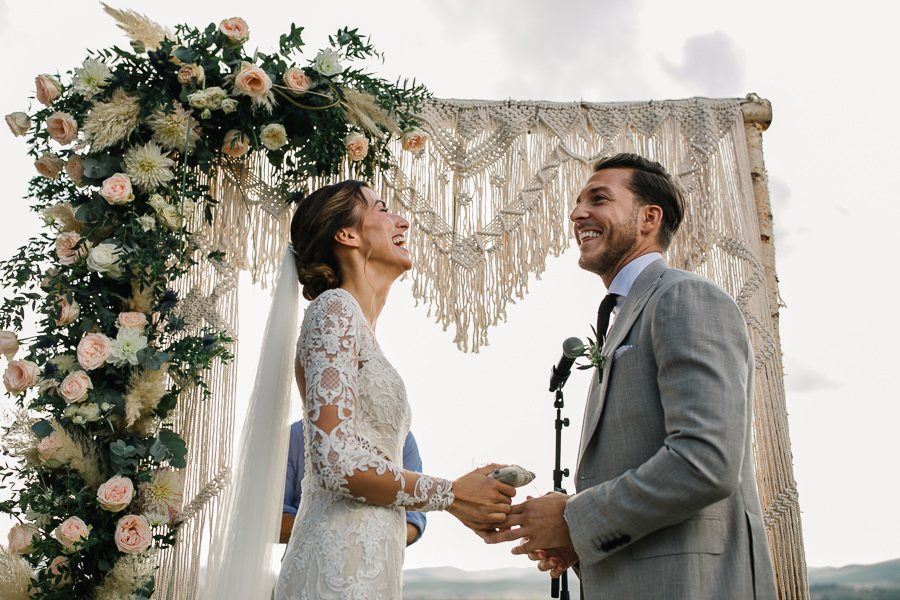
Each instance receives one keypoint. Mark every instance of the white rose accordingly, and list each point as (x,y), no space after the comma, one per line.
(327,62)
(147,222)
(273,136)
(104,259)
(229,105)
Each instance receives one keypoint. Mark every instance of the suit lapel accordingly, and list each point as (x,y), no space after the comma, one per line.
(634,303)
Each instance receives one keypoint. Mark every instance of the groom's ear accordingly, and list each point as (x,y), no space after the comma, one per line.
(347,236)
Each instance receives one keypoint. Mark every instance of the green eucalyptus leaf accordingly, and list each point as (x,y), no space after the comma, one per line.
(42,428)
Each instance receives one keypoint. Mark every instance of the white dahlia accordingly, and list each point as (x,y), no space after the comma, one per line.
(170,129)
(148,167)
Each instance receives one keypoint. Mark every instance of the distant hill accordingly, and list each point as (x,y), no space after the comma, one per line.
(854,582)
(449,583)
(880,581)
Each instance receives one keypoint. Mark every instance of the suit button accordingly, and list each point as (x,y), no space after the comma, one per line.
(606,547)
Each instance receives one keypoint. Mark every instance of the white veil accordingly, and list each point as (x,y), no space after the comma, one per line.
(247,526)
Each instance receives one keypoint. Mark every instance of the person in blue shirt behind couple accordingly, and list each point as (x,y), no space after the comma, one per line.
(415,521)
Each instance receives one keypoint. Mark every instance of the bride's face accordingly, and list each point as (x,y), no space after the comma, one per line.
(384,235)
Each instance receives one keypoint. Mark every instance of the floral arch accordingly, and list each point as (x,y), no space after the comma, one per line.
(163,172)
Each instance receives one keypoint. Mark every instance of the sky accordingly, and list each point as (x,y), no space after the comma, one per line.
(834,202)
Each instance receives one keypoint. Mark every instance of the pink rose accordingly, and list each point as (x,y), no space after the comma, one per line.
(75,169)
(93,350)
(414,141)
(62,127)
(50,450)
(21,375)
(187,71)
(117,189)
(296,81)
(48,89)
(71,531)
(18,122)
(65,248)
(132,320)
(49,166)
(357,146)
(236,30)
(74,388)
(9,344)
(20,538)
(252,81)
(62,574)
(133,534)
(115,494)
(235,143)
(68,312)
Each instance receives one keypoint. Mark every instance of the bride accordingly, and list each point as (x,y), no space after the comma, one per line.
(348,537)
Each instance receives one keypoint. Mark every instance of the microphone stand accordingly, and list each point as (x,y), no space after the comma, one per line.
(559,588)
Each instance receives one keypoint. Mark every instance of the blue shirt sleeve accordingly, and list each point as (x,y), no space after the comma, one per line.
(295,468)
(413,462)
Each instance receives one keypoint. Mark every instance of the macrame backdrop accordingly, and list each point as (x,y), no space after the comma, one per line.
(489,202)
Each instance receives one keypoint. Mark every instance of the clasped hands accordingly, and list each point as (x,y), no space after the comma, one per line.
(485,506)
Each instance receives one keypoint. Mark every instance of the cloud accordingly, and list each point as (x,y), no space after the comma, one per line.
(561,51)
(712,64)
(800,379)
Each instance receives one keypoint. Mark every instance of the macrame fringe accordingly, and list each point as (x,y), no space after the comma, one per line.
(489,202)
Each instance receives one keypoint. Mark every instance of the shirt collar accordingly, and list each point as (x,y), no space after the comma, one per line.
(624,279)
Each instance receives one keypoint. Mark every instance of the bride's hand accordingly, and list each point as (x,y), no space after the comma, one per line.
(481,503)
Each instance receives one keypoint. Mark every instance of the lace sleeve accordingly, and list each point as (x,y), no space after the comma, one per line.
(341,460)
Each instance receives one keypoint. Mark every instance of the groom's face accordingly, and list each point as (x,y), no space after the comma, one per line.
(606,218)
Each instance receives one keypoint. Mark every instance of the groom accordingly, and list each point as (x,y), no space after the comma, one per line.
(666,505)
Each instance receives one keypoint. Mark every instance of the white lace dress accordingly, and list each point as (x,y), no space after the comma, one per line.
(342,547)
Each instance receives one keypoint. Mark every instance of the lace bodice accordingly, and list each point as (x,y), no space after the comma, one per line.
(357,411)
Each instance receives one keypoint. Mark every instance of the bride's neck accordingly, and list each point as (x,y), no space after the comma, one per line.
(370,296)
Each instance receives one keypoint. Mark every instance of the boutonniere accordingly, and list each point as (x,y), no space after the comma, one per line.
(592,352)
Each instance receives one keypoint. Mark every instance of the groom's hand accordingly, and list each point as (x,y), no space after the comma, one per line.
(539,521)
(481,503)
(556,560)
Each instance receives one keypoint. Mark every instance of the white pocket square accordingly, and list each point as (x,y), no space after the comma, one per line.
(621,350)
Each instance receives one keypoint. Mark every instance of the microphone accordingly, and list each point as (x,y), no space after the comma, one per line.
(560,373)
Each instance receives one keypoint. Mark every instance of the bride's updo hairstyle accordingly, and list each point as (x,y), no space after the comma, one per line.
(317,219)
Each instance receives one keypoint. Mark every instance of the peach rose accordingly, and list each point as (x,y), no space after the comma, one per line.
(133,534)
(93,350)
(132,320)
(115,494)
(74,388)
(50,450)
(236,30)
(235,143)
(296,81)
(414,141)
(20,538)
(65,248)
(9,344)
(68,312)
(75,169)
(71,531)
(186,72)
(49,166)
(48,89)
(357,146)
(18,122)
(21,375)
(59,569)
(252,81)
(62,127)
(116,189)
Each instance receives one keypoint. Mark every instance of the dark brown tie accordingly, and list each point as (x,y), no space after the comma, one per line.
(606,307)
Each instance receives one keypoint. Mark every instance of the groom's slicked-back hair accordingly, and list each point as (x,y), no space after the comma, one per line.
(651,184)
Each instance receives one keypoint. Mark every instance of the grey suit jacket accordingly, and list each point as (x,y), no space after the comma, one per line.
(666,505)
